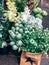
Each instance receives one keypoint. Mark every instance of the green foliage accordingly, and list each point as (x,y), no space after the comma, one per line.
(39,13)
(36,40)
(20,4)
(5,25)
(29,38)
(1,10)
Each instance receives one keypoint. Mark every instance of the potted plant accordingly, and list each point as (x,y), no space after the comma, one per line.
(31,39)
(36,50)
(27,34)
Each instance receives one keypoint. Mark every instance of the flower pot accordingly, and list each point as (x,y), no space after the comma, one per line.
(28,58)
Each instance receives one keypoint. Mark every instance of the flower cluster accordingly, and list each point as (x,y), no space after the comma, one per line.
(29,38)
(12,13)
(16,35)
(30,18)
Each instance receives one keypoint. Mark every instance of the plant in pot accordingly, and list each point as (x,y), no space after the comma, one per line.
(35,46)
(28,35)
(31,38)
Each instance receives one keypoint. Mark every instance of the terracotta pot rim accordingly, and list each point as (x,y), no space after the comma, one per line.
(32,53)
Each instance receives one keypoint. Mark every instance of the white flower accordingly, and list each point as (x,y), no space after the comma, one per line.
(20,25)
(17,28)
(33,42)
(25,16)
(19,43)
(1,27)
(13,29)
(11,15)
(16,24)
(32,19)
(4,44)
(12,43)
(14,47)
(26,13)
(39,22)
(12,33)
(19,36)
(17,33)
(26,10)
(21,30)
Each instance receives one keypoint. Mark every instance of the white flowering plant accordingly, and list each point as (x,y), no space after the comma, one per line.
(29,38)
(21,11)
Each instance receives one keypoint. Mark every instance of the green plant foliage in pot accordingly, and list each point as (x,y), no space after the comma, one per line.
(29,38)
